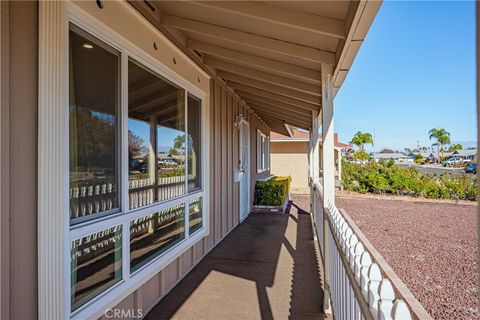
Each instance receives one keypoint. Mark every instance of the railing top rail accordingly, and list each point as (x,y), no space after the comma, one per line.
(401,290)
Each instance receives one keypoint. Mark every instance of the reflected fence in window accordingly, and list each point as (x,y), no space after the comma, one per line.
(195,215)
(153,234)
(142,192)
(90,199)
(96,264)
(97,198)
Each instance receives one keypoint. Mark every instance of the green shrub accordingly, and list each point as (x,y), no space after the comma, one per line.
(361,155)
(419,159)
(387,177)
(272,192)
(172,173)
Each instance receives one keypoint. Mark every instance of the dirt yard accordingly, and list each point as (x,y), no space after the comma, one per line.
(431,246)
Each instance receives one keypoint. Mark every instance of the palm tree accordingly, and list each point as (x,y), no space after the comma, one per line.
(361,139)
(442,137)
(455,147)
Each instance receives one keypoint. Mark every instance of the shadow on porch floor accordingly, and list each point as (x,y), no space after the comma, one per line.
(265,269)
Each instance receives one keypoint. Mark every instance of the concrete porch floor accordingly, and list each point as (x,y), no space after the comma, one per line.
(267,268)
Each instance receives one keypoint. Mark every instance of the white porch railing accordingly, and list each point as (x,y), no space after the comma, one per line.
(360,284)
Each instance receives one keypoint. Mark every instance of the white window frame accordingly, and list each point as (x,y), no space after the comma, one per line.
(263,152)
(61,290)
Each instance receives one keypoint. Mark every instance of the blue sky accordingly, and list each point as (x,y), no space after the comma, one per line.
(165,136)
(415,71)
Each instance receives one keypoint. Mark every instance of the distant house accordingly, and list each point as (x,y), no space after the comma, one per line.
(426,156)
(397,157)
(469,154)
(289,156)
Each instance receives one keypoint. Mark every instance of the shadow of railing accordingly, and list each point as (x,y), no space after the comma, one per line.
(252,252)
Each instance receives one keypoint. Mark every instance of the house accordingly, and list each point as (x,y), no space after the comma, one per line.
(466,155)
(80,236)
(427,156)
(289,156)
(395,156)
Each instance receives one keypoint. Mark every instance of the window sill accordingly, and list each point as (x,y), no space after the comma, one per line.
(266,179)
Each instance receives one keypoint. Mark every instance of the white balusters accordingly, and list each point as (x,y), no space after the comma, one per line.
(345,237)
(365,263)
(386,296)
(357,252)
(375,276)
(400,311)
(351,252)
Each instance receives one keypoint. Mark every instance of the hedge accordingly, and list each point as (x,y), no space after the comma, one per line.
(272,192)
(387,177)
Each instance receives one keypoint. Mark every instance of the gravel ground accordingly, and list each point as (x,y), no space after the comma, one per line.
(431,246)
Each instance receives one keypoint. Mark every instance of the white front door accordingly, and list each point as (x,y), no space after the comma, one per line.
(244,166)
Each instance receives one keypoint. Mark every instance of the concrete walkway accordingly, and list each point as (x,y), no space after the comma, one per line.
(266,268)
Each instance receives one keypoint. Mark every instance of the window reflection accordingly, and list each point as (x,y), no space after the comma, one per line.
(153,234)
(96,264)
(93,130)
(156,137)
(195,215)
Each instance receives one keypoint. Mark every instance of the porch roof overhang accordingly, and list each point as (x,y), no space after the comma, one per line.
(269,53)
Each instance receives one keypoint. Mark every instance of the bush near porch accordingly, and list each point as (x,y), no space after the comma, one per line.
(387,177)
(272,192)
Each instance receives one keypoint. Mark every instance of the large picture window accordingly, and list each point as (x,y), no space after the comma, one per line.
(135,158)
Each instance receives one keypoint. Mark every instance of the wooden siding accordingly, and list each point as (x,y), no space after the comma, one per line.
(19,32)
(224,193)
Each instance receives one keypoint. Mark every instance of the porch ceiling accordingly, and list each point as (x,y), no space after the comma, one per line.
(269,52)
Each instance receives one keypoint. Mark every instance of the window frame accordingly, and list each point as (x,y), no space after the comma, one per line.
(132,280)
(263,152)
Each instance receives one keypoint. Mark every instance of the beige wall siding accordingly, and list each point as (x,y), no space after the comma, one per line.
(19,152)
(291,159)
(4,159)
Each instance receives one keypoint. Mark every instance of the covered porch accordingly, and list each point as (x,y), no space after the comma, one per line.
(247,69)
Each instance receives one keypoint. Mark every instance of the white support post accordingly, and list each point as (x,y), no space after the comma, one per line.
(315,147)
(313,159)
(327,137)
(339,157)
(328,164)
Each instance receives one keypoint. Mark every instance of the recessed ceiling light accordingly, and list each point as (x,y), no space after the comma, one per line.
(87,46)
